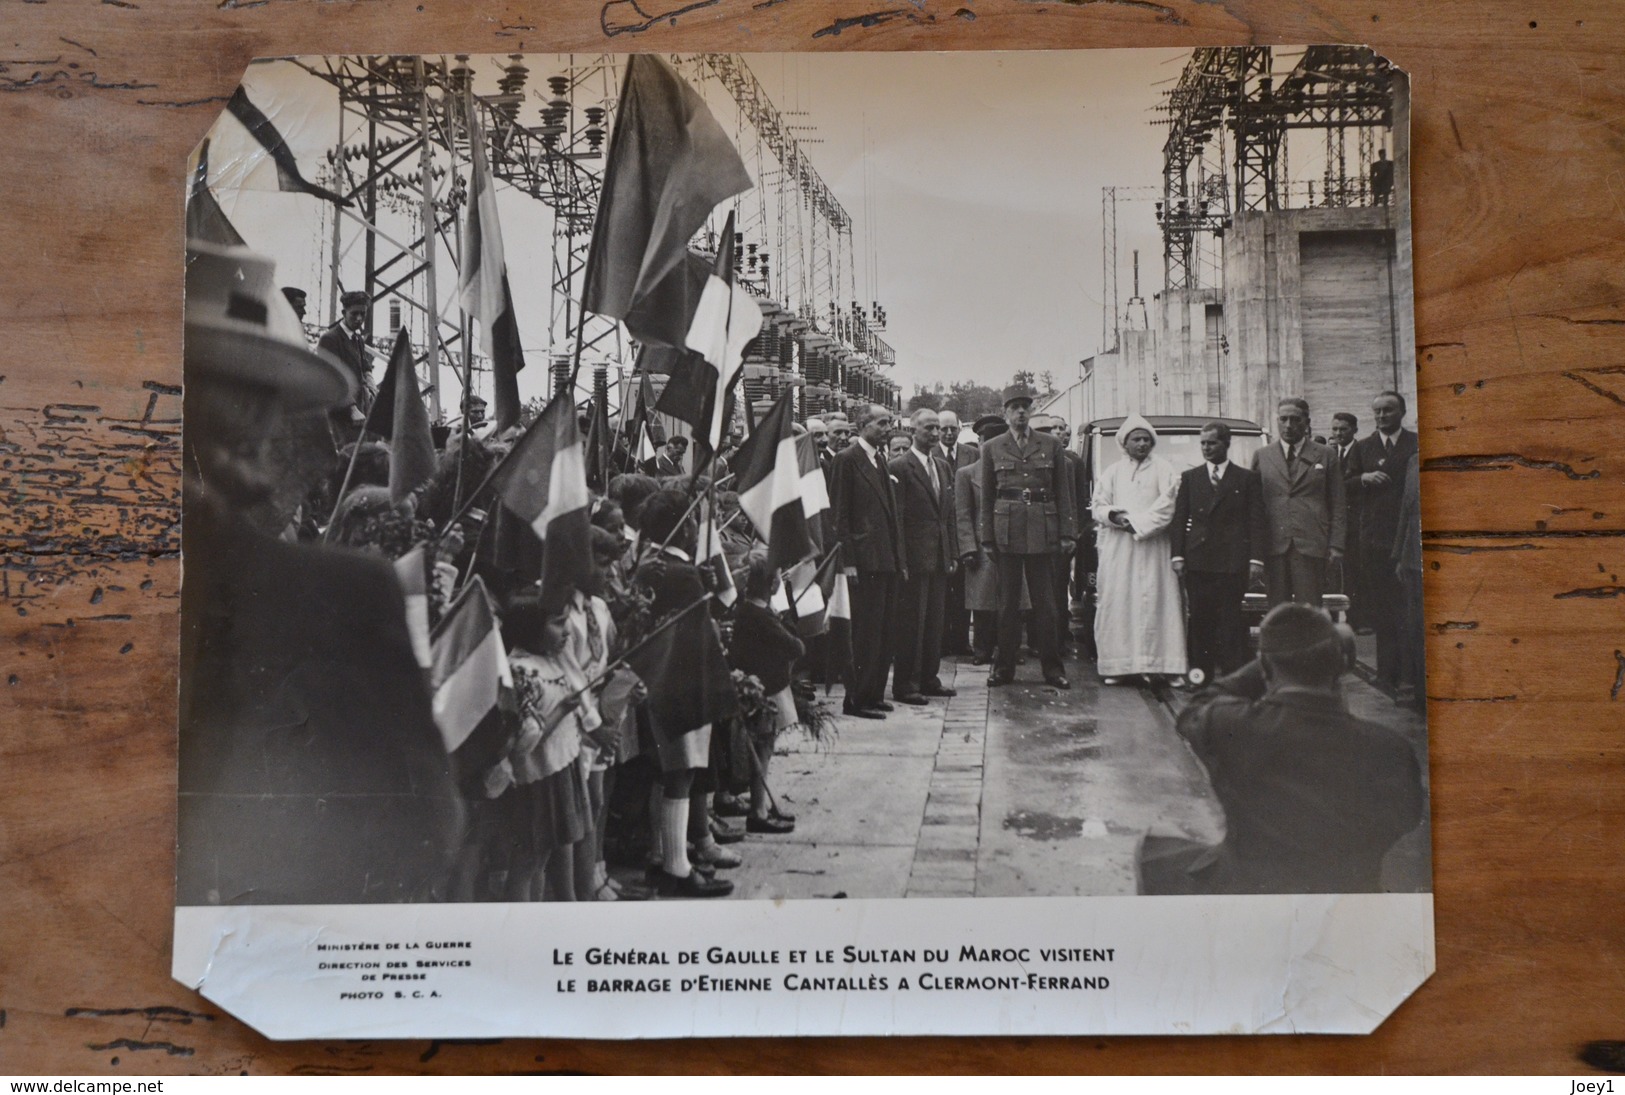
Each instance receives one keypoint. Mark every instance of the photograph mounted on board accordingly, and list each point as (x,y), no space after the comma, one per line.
(734,487)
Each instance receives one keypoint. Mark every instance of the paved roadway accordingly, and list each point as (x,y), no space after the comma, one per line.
(1016,791)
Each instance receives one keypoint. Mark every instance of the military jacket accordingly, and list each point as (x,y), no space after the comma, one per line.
(1027,505)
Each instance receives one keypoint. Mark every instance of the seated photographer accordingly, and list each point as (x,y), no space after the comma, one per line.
(1313,796)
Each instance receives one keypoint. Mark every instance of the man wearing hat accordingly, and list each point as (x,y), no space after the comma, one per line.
(981,583)
(1313,796)
(1027,525)
(311,769)
(346,343)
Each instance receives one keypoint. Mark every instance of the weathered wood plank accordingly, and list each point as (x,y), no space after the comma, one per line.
(1519,184)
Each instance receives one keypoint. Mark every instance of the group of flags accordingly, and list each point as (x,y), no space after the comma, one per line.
(670,166)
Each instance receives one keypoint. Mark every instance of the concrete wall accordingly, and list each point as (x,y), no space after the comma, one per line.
(1313,309)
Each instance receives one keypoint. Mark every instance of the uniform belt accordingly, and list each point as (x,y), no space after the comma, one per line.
(1025,494)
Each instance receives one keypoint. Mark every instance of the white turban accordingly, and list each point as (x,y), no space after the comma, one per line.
(1130,424)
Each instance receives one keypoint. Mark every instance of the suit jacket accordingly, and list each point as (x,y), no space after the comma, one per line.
(661,465)
(338,342)
(865,507)
(1303,510)
(965,454)
(1080,484)
(1218,530)
(1379,505)
(1026,527)
(926,516)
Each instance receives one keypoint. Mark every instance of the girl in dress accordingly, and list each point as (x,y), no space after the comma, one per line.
(548,801)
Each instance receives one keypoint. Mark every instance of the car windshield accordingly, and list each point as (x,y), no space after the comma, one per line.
(1179,446)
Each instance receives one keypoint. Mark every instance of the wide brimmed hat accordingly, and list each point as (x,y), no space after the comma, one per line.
(241,329)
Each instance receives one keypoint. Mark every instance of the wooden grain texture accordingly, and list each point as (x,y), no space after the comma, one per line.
(1519,211)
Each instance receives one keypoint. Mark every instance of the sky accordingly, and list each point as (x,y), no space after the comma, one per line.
(974,181)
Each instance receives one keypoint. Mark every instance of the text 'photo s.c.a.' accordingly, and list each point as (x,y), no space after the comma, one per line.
(790,544)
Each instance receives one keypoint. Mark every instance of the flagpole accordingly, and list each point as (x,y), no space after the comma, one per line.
(609,670)
(327,533)
(697,499)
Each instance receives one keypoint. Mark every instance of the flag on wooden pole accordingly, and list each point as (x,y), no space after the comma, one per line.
(412,569)
(686,672)
(482,284)
(469,667)
(670,163)
(768,477)
(543,482)
(400,416)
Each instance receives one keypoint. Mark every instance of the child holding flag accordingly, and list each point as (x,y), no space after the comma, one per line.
(549,806)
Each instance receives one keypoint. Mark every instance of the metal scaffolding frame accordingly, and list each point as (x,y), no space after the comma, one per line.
(1232,93)
(403,156)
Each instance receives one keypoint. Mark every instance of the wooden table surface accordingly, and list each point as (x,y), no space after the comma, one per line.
(1519,212)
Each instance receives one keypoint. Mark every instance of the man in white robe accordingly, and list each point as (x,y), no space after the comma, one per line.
(1139,619)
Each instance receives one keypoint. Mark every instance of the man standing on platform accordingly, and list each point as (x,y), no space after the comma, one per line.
(1375,475)
(1027,526)
(1218,548)
(865,507)
(1304,514)
(925,502)
(346,342)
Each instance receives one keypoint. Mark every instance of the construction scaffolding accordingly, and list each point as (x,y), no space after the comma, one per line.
(403,159)
(1229,116)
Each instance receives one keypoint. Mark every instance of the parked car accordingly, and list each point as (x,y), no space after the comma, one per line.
(1177,443)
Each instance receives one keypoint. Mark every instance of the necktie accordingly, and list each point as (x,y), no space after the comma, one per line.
(1214,470)
(931,466)
(1292,458)
(1388,444)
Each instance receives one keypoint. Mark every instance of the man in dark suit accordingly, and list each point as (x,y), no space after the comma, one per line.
(1345,429)
(1304,514)
(925,504)
(1028,526)
(1057,427)
(955,618)
(865,507)
(346,343)
(669,460)
(1375,475)
(1218,547)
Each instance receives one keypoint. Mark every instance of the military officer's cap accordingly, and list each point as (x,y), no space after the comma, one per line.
(1015,393)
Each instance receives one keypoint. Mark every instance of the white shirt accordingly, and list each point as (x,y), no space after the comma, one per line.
(930,468)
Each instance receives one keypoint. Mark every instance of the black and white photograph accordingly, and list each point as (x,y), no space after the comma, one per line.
(807,480)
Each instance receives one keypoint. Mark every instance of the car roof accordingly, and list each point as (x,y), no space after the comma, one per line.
(1189,422)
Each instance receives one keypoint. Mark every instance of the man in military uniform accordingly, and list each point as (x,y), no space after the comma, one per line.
(1028,523)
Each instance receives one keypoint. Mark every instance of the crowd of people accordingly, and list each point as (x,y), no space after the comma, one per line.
(307,715)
